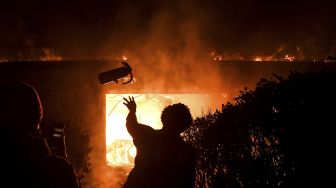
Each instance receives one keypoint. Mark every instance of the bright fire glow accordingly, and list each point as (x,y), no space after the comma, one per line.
(257,59)
(289,58)
(120,150)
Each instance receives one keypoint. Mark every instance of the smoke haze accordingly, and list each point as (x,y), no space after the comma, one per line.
(175,41)
(170,44)
(101,29)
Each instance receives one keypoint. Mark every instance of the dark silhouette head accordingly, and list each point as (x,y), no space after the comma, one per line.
(20,107)
(176,118)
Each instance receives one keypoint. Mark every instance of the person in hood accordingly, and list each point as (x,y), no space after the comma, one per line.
(25,156)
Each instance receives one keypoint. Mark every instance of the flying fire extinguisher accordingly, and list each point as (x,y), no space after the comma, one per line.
(115,74)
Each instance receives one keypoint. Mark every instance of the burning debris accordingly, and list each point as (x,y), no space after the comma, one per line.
(281,54)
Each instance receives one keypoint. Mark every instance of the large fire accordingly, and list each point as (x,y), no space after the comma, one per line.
(120,150)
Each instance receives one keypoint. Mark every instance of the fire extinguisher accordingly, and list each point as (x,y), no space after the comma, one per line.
(115,74)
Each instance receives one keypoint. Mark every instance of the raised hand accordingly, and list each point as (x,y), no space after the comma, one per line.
(130,103)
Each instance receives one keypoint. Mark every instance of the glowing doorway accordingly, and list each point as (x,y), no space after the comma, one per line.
(120,150)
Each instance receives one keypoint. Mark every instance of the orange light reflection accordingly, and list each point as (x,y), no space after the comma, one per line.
(120,150)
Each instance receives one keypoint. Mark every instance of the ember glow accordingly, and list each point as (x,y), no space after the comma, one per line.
(258,59)
(289,58)
(49,55)
(120,150)
(280,54)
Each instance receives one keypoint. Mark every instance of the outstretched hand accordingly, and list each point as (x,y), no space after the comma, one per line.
(130,103)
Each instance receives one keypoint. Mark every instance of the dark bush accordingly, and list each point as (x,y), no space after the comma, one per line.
(277,135)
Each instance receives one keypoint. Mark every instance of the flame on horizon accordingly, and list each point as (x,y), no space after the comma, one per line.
(280,54)
(49,55)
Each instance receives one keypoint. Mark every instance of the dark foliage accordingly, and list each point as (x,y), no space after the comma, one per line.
(78,149)
(278,135)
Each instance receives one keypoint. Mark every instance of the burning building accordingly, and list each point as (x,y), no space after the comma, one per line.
(120,150)
(71,94)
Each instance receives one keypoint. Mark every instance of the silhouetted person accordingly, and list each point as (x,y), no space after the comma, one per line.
(25,157)
(163,159)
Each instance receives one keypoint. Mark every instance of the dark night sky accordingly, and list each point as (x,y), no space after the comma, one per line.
(95,29)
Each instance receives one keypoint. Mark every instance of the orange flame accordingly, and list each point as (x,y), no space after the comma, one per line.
(120,150)
(289,58)
(49,55)
(257,59)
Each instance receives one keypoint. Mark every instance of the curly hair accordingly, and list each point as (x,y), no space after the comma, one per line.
(176,117)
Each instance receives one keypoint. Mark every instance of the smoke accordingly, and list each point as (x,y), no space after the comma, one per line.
(170,45)
(171,54)
(104,29)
